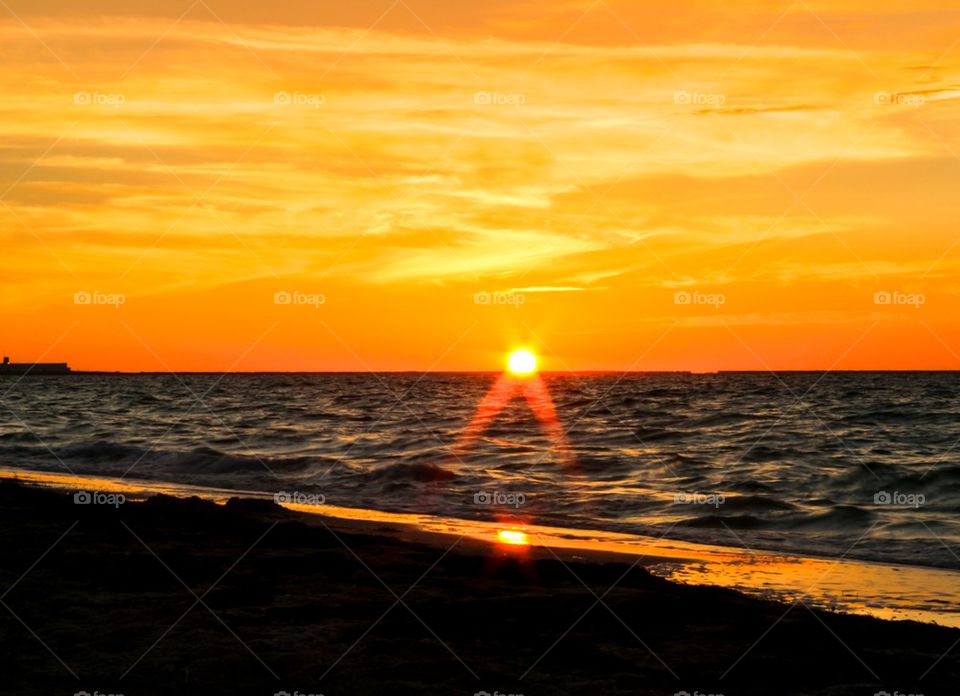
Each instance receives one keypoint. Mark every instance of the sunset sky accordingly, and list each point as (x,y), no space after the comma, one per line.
(617,185)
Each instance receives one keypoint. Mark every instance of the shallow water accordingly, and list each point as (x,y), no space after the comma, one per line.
(860,465)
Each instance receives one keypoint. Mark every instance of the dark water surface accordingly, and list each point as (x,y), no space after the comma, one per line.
(862,464)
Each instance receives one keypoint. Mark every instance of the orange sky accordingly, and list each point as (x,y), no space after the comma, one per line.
(701,186)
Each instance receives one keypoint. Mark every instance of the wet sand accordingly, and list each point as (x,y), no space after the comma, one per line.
(187,596)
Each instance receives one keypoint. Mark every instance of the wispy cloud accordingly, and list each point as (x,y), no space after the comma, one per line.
(643,151)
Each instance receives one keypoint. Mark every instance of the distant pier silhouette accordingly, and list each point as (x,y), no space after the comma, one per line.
(11,368)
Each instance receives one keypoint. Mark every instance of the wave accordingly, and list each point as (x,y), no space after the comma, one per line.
(793,475)
(411,472)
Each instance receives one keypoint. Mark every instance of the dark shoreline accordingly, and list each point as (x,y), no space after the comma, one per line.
(289,594)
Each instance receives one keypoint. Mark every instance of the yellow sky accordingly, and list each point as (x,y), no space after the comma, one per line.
(706,186)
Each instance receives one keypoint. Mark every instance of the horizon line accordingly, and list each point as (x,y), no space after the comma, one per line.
(74,372)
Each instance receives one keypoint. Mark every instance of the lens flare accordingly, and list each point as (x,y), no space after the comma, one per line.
(522,362)
(513,537)
(507,387)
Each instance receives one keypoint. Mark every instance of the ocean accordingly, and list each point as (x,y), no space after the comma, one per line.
(855,465)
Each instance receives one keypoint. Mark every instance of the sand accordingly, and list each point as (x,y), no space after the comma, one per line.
(185,596)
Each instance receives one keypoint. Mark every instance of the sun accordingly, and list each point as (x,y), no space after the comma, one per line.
(522,362)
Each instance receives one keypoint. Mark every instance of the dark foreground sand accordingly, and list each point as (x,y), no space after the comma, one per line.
(284,603)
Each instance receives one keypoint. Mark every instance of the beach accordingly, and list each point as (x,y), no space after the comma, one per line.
(183,595)
(541,348)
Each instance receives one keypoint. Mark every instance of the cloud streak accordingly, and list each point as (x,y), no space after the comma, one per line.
(479,153)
